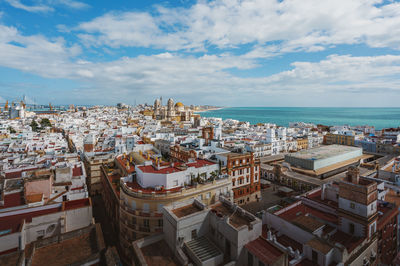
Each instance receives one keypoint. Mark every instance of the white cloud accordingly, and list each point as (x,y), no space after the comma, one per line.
(269,27)
(34,8)
(206,78)
(35,54)
(47,5)
(70,3)
(295,25)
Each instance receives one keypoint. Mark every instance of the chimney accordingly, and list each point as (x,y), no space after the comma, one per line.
(353,175)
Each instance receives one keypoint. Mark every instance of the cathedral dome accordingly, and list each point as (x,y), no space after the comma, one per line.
(179,104)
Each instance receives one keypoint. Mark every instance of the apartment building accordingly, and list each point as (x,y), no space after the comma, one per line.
(205,235)
(144,193)
(244,170)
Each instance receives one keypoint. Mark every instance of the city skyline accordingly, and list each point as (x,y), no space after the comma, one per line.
(226,53)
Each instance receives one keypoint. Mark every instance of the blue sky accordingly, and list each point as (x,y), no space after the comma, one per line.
(228,52)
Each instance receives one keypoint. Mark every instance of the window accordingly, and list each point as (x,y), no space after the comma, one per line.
(247,179)
(208,195)
(351,228)
(248,170)
(372,229)
(314,256)
(249,259)
(146,223)
(176,183)
(194,234)
(233,183)
(160,222)
(133,220)
(352,205)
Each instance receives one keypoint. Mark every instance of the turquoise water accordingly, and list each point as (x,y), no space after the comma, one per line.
(378,117)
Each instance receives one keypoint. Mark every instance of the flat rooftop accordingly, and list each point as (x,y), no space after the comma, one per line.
(235,218)
(66,252)
(297,210)
(186,210)
(323,152)
(158,253)
(264,251)
(10,259)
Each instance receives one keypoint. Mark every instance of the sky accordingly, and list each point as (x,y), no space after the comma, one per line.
(343,53)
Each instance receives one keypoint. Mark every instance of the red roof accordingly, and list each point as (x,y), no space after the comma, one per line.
(13,200)
(264,251)
(77,171)
(173,169)
(14,174)
(349,241)
(13,222)
(152,169)
(302,209)
(316,196)
(200,163)
(76,204)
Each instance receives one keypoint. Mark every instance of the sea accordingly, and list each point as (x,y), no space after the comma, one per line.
(331,116)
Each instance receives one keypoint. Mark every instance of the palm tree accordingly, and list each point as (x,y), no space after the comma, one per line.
(213,175)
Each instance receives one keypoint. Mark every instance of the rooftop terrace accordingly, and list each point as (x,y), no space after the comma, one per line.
(158,253)
(236,219)
(324,152)
(186,210)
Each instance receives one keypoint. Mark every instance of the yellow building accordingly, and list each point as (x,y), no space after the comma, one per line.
(171,112)
(339,139)
(302,144)
(140,208)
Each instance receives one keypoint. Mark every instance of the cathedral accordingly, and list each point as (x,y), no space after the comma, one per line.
(171,112)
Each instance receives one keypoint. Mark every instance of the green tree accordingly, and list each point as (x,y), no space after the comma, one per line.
(214,175)
(45,122)
(12,130)
(34,125)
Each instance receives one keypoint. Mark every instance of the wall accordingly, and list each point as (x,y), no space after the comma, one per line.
(78,218)
(74,220)
(359,209)
(286,228)
(344,225)
(9,241)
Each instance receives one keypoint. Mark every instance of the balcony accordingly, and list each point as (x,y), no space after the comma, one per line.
(139,213)
(144,229)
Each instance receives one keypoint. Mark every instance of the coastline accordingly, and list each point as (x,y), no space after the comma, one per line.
(379,117)
(211,109)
